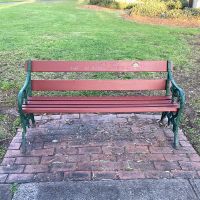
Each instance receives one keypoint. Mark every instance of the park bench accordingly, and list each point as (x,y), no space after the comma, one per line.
(170,104)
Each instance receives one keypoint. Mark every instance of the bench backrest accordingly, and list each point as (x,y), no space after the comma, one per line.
(97,66)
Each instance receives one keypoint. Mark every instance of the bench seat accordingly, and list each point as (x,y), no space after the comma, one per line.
(99,104)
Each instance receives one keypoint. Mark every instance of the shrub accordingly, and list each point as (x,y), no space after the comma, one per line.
(110,3)
(174,4)
(185,13)
(105,3)
(164,9)
(175,13)
(129,6)
(151,8)
(114,5)
(94,2)
(192,12)
(122,4)
(185,3)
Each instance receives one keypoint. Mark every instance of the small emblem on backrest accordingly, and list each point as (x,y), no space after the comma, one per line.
(135,65)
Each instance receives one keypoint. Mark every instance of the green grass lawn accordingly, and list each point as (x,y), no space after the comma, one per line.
(65,31)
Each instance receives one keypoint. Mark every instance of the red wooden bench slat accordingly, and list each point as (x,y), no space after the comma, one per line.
(101,110)
(97,102)
(97,85)
(94,98)
(99,66)
(96,106)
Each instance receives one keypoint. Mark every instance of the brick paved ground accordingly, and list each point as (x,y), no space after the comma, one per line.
(97,147)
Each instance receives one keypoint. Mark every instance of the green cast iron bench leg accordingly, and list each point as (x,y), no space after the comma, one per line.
(25,123)
(178,95)
(24,93)
(175,120)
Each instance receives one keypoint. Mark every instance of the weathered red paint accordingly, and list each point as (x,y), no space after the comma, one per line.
(97,85)
(97,102)
(102,110)
(99,66)
(102,98)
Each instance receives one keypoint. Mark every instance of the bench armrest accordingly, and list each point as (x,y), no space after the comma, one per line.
(25,90)
(178,94)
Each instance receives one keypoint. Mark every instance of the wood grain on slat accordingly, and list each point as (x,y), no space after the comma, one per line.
(99,66)
(97,85)
(94,98)
(101,110)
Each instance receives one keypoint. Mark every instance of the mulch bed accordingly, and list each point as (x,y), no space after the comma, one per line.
(190,23)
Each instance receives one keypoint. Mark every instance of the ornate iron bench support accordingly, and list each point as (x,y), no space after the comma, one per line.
(24,93)
(178,96)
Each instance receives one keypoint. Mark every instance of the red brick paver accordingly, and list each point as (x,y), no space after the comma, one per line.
(98,147)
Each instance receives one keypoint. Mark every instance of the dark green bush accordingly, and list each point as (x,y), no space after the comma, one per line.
(185,3)
(129,6)
(114,5)
(94,2)
(106,3)
(192,11)
(110,3)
